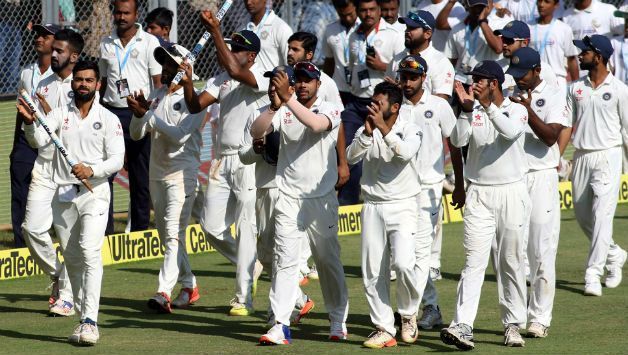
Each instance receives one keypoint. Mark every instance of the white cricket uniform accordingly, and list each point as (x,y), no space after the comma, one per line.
(470,47)
(38,216)
(440,71)
(307,207)
(598,116)
(79,216)
(456,16)
(496,209)
(598,19)
(328,91)
(273,33)
(134,62)
(544,228)
(387,42)
(509,87)
(437,120)
(174,161)
(30,76)
(619,65)
(336,46)
(522,10)
(554,42)
(230,195)
(390,186)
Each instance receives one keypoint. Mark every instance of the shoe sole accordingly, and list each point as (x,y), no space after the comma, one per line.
(153,304)
(266,341)
(337,337)
(516,345)
(309,306)
(87,342)
(535,335)
(620,267)
(450,339)
(389,344)
(589,293)
(52,313)
(243,314)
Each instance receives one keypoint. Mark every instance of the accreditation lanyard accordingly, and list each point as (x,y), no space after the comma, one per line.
(36,78)
(471,39)
(251,25)
(541,45)
(624,55)
(344,37)
(122,63)
(368,41)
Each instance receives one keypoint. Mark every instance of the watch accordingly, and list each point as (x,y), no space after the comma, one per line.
(482,20)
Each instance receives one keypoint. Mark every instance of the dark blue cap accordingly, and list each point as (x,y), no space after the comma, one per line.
(413,64)
(47,29)
(422,19)
(472,3)
(597,43)
(488,69)
(245,40)
(514,29)
(283,68)
(523,60)
(307,68)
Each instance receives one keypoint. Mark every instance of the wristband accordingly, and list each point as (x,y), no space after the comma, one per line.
(482,20)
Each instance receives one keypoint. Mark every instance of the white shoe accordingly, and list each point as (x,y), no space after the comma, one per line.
(337,331)
(76,336)
(435,274)
(380,339)
(313,274)
(279,334)
(62,308)
(593,288)
(409,331)
(537,330)
(393,275)
(89,334)
(460,335)
(431,317)
(512,337)
(613,277)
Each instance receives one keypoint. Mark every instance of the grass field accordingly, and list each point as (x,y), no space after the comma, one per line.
(582,325)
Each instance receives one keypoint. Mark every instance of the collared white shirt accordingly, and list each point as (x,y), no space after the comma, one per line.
(619,60)
(436,119)
(175,136)
(57,92)
(509,87)
(139,69)
(307,164)
(598,19)
(273,33)
(336,46)
(522,10)
(238,102)
(387,42)
(389,172)
(440,71)
(554,42)
(599,114)
(551,107)
(328,91)
(496,143)
(400,27)
(30,76)
(471,47)
(96,141)
(456,16)
(264,172)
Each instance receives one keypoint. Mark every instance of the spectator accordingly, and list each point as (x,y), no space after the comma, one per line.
(390,13)
(314,17)
(589,17)
(159,23)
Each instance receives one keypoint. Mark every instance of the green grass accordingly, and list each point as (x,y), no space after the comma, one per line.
(583,325)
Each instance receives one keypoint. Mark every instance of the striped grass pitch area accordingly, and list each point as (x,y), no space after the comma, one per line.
(581,325)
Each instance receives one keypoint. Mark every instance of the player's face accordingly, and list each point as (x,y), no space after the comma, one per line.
(481,84)
(243,57)
(168,71)
(587,59)
(347,15)
(255,6)
(158,31)
(43,43)
(415,37)
(124,15)
(84,85)
(381,100)
(390,11)
(527,81)
(296,53)
(509,45)
(306,88)
(369,13)
(411,83)
(546,7)
(62,56)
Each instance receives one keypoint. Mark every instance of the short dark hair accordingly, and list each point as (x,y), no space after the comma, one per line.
(358,2)
(308,40)
(380,2)
(392,91)
(134,2)
(341,4)
(160,16)
(74,38)
(86,65)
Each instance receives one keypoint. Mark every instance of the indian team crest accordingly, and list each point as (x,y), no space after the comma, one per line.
(607,96)
(428,114)
(97,125)
(264,34)
(177,106)
(71,94)
(540,102)
(135,53)
(515,60)
(377,43)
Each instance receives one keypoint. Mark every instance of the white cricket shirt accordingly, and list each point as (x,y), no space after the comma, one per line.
(554,42)
(440,71)
(619,60)
(456,16)
(264,172)
(30,76)
(328,91)
(522,10)
(496,143)
(336,46)
(596,19)
(273,33)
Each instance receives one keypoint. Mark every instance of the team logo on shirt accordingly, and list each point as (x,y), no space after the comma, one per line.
(97,125)
(135,53)
(606,96)
(540,102)
(71,94)
(288,118)
(177,106)
(429,114)
(377,43)
(477,120)
(264,34)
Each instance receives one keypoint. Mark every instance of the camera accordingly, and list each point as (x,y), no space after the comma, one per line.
(370,51)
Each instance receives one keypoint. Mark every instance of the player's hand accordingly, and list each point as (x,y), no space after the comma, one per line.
(482,94)
(25,112)
(187,73)
(82,172)
(343,174)
(282,86)
(275,101)
(210,21)
(44,104)
(466,98)
(486,11)
(258,145)
(376,115)
(525,101)
(458,198)
(368,127)
(374,62)
(138,104)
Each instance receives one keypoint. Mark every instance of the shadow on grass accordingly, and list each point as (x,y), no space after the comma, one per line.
(197,273)
(566,286)
(17,335)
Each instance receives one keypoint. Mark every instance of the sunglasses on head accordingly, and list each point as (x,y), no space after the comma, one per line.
(240,39)
(411,63)
(307,66)
(416,18)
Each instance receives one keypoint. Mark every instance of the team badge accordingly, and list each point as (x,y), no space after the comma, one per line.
(71,94)
(515,60)
(97,125)
(509,25)
(378,43)
(429,114)
(264,34)
(606,96)
(135,53)
(177,106)
(540,102)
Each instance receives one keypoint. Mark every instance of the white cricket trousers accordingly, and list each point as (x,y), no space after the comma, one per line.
(389,232)
(80,225)
(230,198)
(595,182)
(499,213)
(37,222)
(317,220)
(173,201)
(430,226)
(542,243)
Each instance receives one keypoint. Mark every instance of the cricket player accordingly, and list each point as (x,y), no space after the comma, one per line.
(497,203)
(598,108)
(175,158)
(388,144)
(547,117)
(92,136)
(307,206)
(437,120)
(52,92)
(230,195)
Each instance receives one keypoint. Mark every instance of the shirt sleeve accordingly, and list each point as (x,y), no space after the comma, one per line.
(461,133)
(443,78)
(447,118)
(572,111)
(332,112)
(179,132)
(509,127)
(558,111)
(358,147)
(407,146)
(451,47)
(570,49)
(213,86)
(262,82)
(114,148)
(35,134)
(154,68)
(622,108)
(245,152)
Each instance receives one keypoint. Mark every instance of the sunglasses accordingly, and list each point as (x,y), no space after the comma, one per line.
(411,63)
(240,39)
(307,66)
(416,18)
(510,41)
